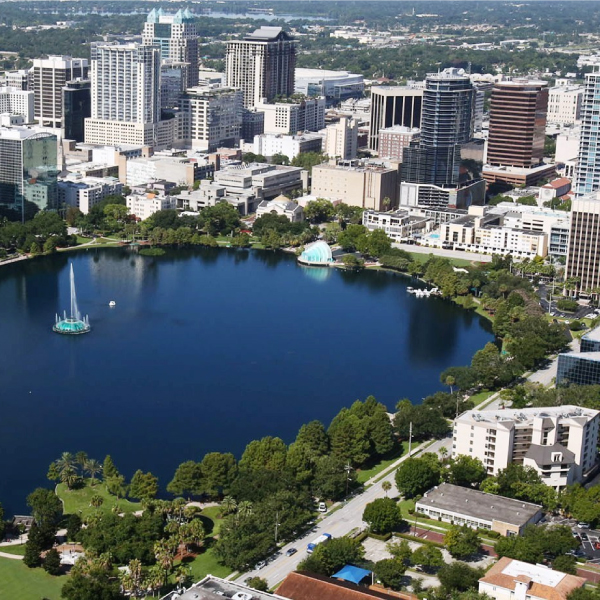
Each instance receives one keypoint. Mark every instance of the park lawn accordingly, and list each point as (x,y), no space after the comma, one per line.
(364,475)
(456,262)
(480,397)
(20,549)
(78,501)
(206,564)
(214,514)
(18,582)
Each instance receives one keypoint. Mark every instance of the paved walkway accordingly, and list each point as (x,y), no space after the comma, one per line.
(470,256)
(13,556)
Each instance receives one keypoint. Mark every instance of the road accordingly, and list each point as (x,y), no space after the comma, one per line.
(338,523)
(471,256)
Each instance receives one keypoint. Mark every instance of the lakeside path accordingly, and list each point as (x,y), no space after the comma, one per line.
(470,256)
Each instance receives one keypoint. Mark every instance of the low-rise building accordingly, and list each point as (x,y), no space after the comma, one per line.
(145,205)
(511,579)
(516,176)
(335,86)
(461,196)
(357,183)
(215,588)
(399,224)
(559,442)
(466,506)
(283,207)
(269,144)
(85,192)
(180,170)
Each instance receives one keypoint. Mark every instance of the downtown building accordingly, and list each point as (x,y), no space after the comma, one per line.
(588,164)
(125,97)
(48,78)
(262,65)
(558,442)
(431,167)
(341,139)
(177,38)
(394,105)
(515,153)
(28,169)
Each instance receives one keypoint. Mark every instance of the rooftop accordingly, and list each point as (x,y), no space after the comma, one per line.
(480,505)
(507,417)
(543,455)
(593,335)
(517,170)
(542,581)
(306,586)
(214,588)
(267,34)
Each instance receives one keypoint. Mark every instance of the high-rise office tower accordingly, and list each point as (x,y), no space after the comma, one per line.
(77,107)
(517,123)
(177,38)
(446,123)
(588,165)
(391,106)
(262,65)
(126,96)
(49,76)
(583,256)
(28,169)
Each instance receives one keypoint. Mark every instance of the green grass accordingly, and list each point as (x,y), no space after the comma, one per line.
(78,501)
(20,549)
(213,513)
(364,475)
(480,397)
(18,582)
(457,262)
(83,240)
(206,564)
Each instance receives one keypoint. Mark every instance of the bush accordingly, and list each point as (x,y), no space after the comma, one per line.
(567,304)
(383,515)
(576,326)
(52,562)
(152,252)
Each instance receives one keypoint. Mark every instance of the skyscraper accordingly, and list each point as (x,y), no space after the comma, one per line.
(583,257)
(588,167)
(28,169)
(432,164)
(177,38)
(77,107)
(517,123)
(50,75)
(391,106)
(262,65)
(126,96)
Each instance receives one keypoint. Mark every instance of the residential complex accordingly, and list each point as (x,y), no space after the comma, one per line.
(341,139)
(511,579)
(466,506)
(293,116)
(269,144)
(15,101)
(144,206)
(85,192)
(559,443)
(262,65)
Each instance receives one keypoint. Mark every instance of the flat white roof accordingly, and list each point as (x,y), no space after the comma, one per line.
(537,573)
(525,415)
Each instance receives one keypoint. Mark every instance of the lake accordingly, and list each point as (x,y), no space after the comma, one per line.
(205,350)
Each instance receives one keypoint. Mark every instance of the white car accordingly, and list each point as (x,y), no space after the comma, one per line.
(322,507)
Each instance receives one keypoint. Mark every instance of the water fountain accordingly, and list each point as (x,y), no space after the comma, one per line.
(73,324)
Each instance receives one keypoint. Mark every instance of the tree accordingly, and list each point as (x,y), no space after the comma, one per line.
(46,507)
(73,527)
(428,556)
(459,576)
(96,501)
(108,468)
(332,477)
(217,472)
(258,583)
(462,542)
(466,471)
(415,476)
(565,563)
(280,159)
(319,210)
(390,572)
(52,562)
(143,485)
(116,486)
(401,551)
(187,479)
(427,421)
(382,515)
(314,438)
(332,556)
(33,549)
(92,467)
(352,262)
(386,486)
(269,454)
(94,585)
(348,438)
(307,160)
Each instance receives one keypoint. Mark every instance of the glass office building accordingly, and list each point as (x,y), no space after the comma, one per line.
(580,369)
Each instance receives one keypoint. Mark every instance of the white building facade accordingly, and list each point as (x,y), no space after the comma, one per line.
(294,117)
(341,140)
(145,205)
(17,102)
(564,104)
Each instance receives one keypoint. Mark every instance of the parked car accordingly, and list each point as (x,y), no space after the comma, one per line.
(583,525)
(597,545)
(260,565)
(584,537)
(291,552)
(322,507)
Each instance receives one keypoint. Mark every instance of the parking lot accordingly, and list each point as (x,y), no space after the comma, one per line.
(588,538)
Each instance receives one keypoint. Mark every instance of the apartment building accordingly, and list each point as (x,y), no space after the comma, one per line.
(145,205)
(293,116)
(17,102)
(393,140)
(341,139)
(559,442)
(564,104)
(269,144)
(85,192)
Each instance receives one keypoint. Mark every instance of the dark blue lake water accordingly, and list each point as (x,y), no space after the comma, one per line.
(204,351)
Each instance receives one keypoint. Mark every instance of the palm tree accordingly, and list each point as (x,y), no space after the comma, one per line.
(386,486)
(182,575)
(450,381)
(443,453)
(164,552)
(154,579)
(244,509)
(66,462)
(93,468)
(178,505)
(193,533)
(228,505)
(69,476)
(135,572)
(81,458)
(96,500)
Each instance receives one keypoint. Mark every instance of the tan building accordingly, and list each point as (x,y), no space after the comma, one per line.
(478,510)
(559,442)
(341,140)
(512,579)
(356,184)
